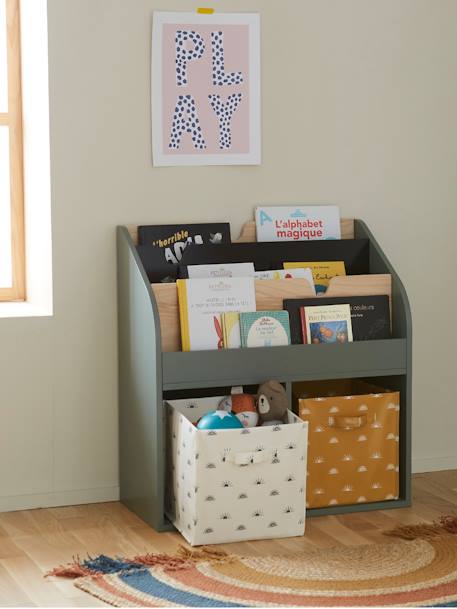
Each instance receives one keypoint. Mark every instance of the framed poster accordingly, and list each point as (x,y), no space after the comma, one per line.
(205,89)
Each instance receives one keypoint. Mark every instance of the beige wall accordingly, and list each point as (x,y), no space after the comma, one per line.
(363,116)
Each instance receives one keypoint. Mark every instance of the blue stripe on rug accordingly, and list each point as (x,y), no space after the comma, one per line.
(143,581)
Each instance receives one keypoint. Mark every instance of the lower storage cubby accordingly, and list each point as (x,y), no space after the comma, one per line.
(353,446)
(228,485)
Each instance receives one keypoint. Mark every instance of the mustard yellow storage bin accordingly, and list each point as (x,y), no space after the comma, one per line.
(353,452)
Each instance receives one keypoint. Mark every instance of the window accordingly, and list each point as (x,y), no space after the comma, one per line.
(12,254)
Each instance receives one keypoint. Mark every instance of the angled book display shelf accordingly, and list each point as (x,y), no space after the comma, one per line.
(152,367)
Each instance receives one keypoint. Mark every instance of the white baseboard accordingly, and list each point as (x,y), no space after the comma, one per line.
(111,493)
(57,499)
(434,464)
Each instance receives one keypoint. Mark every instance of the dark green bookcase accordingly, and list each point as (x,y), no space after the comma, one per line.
(146,376)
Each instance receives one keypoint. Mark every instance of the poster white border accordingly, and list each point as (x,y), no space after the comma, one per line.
(253,157)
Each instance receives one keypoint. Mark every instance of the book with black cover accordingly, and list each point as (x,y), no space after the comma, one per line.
(173,238)
(161,246)
(370,315)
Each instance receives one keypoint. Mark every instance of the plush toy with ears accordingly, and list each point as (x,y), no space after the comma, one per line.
(272,403)
(242,405)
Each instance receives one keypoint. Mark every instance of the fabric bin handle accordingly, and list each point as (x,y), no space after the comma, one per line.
(247,458)
(348,422)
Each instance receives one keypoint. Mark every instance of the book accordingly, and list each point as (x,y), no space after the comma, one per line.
(240,269)
(265,329)
(201,303)
(326,324)
(172,239)
(370,315)
(231,330)
(298,223)
(322,272)
(298,273)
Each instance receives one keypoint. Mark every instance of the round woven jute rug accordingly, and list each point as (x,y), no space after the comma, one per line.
(402,573)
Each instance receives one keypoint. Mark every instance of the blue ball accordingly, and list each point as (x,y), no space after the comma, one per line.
(219,419)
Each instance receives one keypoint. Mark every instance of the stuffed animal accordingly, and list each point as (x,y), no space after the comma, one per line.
(272,403)
(242,405)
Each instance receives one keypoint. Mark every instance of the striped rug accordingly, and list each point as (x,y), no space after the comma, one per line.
(421,572)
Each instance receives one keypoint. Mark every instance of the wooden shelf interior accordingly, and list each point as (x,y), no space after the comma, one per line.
(269,297)
(248,232)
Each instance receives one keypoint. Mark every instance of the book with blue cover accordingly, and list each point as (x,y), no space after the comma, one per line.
(264,329)
(370,315)
(326,324)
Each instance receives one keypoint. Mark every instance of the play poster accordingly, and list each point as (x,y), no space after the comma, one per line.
(205,89)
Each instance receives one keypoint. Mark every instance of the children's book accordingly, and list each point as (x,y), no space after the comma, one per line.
(240,269)
(231,330)
(370,315)
(265,329)
(298,223)
(322,272)
(201,303)
(326,324)
(172,239)
(298,273)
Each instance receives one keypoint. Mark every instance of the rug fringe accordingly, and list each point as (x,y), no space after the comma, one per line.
(442,526)
(72,570)
(103,565)
(449,524)
(205,553)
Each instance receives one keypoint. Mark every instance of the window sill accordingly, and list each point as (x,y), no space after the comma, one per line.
(24,309)
(37,185)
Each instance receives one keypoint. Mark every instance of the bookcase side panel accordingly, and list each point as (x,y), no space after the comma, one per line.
(141,423)
(401,328)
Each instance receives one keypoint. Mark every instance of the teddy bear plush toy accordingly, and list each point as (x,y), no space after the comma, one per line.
(272,403)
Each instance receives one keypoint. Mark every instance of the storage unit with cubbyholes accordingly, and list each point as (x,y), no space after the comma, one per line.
(152,368)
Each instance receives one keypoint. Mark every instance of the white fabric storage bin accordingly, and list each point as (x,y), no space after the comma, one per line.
(234,484)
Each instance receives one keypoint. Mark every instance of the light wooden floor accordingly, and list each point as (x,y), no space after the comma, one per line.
(31,542)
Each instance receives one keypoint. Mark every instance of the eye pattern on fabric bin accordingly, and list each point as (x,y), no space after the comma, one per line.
(258,494)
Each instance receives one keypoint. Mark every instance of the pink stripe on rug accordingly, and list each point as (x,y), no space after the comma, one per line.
(104,584)
(193,578)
